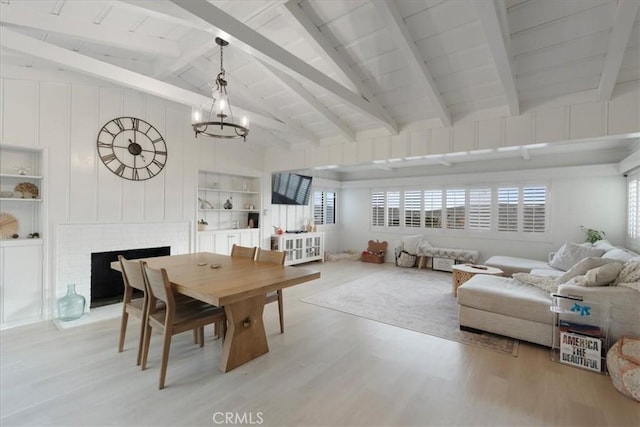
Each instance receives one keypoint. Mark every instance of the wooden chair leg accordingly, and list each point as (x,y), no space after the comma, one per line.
(166,346)
(143,324)
(195,337)
(281,311)
(123,330)
(145,346)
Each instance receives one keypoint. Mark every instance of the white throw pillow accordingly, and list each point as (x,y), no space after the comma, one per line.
(570,253)
(410,243)
(600,276)
(603,244)
(619,254)
(581,267)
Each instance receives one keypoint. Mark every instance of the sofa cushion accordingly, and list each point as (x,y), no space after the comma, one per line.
(581,267)
(603,244)
(570,253)
(511,265)
(506,296)
(619,254)
(600,276)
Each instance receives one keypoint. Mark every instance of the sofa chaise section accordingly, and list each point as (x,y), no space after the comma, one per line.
(507,307)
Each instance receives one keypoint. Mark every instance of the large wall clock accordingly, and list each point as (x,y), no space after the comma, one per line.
(131,148)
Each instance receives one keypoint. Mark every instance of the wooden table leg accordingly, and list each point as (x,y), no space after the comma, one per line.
(246,338)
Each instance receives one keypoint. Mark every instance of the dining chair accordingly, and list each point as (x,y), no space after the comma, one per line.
(133,279)
(274,257)
(174,318)
(243,251)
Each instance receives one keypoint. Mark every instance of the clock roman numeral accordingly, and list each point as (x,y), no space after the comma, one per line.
(161,153)
(108,158)
(104,144)
(135,123)
(157,140)
(134,175)
(106,129)
(118,123)
(120,170)
(157,163)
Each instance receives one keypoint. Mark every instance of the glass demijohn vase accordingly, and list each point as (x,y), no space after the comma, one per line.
(71,306)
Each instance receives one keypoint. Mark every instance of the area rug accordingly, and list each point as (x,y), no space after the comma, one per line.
(420,300)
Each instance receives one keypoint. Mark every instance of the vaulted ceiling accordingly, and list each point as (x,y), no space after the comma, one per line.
(305,70)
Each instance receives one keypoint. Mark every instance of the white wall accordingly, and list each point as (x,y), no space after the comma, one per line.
(593,196)
(64,118)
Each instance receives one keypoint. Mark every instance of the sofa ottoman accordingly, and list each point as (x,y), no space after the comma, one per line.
(507,307)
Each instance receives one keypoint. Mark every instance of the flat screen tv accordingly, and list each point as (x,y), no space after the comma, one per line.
(290,189)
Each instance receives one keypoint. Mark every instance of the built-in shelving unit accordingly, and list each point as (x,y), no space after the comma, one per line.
(22,257)
(230,205)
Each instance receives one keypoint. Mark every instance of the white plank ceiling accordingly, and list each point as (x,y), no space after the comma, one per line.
(305,70)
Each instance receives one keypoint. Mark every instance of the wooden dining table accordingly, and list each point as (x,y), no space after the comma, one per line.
(237,284)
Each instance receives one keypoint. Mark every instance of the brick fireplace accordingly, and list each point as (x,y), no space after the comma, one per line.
(76,242)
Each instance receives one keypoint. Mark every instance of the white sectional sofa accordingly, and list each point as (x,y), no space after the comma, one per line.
(511,307)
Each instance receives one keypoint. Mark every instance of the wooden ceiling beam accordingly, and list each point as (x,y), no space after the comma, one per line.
(622,26)
(400,34)
(491,14)
(255,44)
(334,57)
(86,65)
(308,97)
(14,15)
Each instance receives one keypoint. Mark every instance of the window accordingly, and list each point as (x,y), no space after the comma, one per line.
(412,208)
(433,209)
(633,209)
(508,209)
(480,209)
(456,205)
(393,209)
(534,201)
(511,209)
(377,209)
(324,207)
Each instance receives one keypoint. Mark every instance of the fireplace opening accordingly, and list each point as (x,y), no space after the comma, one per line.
(107,286)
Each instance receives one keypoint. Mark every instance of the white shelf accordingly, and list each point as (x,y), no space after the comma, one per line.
(228,210)
(18,176)
(223,190)
(6,243)
(16,199)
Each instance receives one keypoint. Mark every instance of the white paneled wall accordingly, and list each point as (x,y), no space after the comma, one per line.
(548,124)
(64,118)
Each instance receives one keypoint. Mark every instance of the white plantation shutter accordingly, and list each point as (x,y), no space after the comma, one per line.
(393,209)
(456,201)
(633,210)
(330,207)
(318,207)
(412,208)
(480,209)
(508,209)
(433,209)
(377,209)
(534,201)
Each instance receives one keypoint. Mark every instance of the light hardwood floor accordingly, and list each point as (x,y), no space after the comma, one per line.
(327,369)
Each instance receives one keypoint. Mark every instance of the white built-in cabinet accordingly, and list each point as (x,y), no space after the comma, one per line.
(21,257)
(230,205)
(299,247)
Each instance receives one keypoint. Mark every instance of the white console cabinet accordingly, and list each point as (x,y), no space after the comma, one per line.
(299,247)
